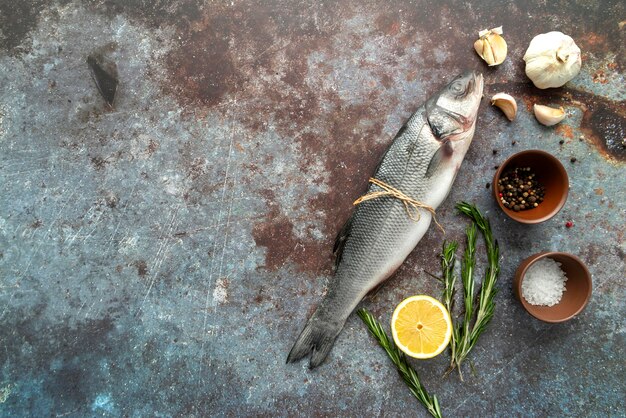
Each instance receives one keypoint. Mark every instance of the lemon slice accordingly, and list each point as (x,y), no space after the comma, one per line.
(421,326)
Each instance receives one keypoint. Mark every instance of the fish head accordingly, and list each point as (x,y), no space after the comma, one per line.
(451,113)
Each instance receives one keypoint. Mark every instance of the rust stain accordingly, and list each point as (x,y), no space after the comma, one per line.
(111,200)
(565,131)
(153,14)
(17,20)
(142,267)
(153,146)
(592,253)
(599,77)
(603,123)
(98,162)
(599,191)
(202,68)
(350,161)
(260,297)
(198,185)
(284,248)
(387,24)
(529,102)
(257,55)
(592,41)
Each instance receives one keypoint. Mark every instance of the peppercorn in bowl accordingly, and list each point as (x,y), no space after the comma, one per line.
(531,186)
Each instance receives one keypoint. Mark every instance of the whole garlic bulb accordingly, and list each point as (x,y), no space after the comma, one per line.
(552,59)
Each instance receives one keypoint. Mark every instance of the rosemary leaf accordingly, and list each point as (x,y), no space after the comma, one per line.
(448,260)
(408,373)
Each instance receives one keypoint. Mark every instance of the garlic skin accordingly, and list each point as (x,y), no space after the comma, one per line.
(491,46)
(552,59)
(506,103)
(547,115)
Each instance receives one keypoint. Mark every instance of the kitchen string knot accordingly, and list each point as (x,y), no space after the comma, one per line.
(411,205)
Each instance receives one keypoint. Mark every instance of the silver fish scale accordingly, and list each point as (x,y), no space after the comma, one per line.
(380,226)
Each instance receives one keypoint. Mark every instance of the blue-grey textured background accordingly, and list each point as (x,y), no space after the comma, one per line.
(160,258)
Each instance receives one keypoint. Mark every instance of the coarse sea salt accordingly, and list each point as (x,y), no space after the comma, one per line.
(544,283)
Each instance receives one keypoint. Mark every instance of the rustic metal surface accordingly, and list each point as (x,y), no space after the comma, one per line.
(160,258)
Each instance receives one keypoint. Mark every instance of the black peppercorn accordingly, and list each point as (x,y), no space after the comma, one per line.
(523,191)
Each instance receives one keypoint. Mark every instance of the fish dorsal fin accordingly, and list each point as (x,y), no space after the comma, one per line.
(444,151)
(340,240)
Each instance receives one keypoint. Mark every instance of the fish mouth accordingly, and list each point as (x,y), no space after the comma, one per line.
(478,82)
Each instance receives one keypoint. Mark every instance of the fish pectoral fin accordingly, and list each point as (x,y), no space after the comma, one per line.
(340,240)
(444,151)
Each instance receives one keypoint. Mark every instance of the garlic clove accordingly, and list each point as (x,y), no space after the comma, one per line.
(499,48)
(506,103)
(548,115)
(483,49)
(491,46)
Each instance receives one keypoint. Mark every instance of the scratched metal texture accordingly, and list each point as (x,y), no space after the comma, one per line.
(161,257)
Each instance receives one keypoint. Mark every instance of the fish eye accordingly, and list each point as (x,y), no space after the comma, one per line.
(457,87)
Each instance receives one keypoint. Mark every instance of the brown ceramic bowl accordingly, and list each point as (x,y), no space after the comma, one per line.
(550,173)
(577,288)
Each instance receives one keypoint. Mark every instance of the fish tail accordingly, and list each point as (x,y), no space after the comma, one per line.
(317,338)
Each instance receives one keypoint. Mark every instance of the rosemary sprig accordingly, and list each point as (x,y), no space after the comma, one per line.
(465,334)
(408,373)
(486,303)
(448,260)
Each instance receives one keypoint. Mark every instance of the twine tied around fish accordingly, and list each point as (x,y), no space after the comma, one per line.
(412,206)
